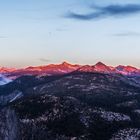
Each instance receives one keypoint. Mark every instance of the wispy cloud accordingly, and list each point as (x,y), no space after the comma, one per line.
(44,60)
(106,11)
(3,37)
(60,29)
(125,34)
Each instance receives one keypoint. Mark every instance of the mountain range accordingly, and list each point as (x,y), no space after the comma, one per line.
(70,102)
(63,68)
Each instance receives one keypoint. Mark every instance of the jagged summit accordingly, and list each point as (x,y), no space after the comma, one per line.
(66,63)
(101,67)
(100,64)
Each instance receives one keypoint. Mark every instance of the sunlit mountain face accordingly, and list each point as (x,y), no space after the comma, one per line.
(64,68)
(51,69)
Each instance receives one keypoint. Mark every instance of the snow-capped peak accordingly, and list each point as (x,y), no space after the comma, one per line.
(66,63)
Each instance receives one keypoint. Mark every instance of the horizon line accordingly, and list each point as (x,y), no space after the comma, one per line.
(62,62)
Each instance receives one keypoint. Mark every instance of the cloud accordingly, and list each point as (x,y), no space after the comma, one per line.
(44,60)
(3,37)
(125,34)
(107,11)
(60,29)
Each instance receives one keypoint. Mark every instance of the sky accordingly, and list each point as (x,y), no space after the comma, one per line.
(39,32)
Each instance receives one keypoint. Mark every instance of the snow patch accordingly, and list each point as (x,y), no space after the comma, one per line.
(4,80)
(16,97)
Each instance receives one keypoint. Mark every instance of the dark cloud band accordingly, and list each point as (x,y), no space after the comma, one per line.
(111,10)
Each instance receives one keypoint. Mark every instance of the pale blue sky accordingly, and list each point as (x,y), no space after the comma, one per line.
(38,32)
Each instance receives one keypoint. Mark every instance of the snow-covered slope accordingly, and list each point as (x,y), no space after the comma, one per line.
(4,80)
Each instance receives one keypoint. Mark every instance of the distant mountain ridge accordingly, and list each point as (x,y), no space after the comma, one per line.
(65,67)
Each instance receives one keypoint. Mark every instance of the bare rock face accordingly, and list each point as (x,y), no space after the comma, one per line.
(9,129)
